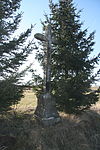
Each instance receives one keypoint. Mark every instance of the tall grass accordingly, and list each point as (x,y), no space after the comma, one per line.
(72,133)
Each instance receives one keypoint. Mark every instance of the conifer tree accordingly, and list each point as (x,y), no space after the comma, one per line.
(72,66)
(13,52)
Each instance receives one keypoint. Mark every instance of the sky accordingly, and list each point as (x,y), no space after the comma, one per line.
(34,10)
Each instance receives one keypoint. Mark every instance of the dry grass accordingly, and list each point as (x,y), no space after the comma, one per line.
(27,103)
(96,107)
(72,133)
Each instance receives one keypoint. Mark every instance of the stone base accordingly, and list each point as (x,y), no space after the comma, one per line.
(46,112)
(48,121)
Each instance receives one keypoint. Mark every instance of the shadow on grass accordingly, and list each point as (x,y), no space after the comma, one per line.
(20,131)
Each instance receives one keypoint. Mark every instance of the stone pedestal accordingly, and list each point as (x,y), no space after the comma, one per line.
(46,112)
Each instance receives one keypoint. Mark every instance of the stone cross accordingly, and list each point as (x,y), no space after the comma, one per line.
(46,111)
(47,69)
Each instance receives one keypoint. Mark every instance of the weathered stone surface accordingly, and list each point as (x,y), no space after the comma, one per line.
(46,111)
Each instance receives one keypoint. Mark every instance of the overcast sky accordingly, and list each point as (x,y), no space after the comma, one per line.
(33,12)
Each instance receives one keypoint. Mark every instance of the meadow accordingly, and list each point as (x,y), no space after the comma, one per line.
(19,129)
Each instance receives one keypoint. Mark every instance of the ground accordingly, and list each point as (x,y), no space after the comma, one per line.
(19,130)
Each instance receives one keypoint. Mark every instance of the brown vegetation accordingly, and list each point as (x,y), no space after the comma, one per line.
(72,133)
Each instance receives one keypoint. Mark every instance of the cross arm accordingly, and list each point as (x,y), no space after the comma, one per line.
(40,37)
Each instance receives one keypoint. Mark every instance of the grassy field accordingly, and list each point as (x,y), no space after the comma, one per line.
(20,131)
(27,103)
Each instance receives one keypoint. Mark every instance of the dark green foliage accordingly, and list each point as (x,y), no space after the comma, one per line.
(10,93)
(72,67)
(38,84)
(13,52)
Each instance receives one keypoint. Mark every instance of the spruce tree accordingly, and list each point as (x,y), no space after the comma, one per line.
(72,67)
(13,52)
